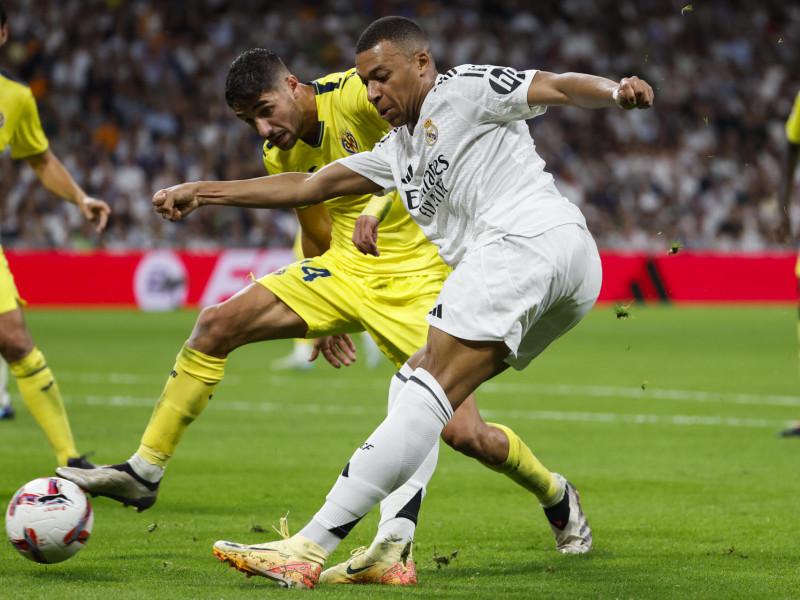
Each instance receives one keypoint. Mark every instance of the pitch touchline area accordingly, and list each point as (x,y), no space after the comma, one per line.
(531,415)
(528,389)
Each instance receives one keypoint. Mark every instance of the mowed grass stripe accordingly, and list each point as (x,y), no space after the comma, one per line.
(375,383)
(532,415)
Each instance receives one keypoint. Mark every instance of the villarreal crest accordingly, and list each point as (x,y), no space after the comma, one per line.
(349,142)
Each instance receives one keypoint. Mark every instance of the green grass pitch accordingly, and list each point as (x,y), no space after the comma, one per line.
(664,421)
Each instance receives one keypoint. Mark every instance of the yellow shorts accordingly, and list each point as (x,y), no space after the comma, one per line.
(9,296)
(332,300)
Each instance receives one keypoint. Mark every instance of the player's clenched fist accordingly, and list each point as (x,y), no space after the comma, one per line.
(175,202)
(633,93)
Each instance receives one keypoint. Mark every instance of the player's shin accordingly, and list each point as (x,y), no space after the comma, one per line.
(388,459)
(186,393)
(525,470)
(39,390)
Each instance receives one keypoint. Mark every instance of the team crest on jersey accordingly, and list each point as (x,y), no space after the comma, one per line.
(349,142)
(2,120)
(431,133)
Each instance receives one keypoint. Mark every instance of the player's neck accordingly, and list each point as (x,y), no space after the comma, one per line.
(425,87)
(308,107)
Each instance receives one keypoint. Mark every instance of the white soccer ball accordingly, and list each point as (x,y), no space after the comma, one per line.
(49,519)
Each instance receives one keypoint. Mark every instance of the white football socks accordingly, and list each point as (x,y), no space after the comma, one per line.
(148,472)
(389,457)
(400,509)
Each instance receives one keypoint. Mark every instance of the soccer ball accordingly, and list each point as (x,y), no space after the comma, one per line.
(49,519)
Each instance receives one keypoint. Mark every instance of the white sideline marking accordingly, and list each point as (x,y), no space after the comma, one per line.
(528,389)
(530,415)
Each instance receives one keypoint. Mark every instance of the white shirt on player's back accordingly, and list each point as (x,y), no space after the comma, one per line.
(470,173)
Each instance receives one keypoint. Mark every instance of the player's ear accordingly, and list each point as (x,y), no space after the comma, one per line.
(292,84)
(422,61)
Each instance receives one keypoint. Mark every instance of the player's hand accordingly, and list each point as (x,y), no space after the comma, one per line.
(95,210)
(337,349)
(176,202)
(365,235)
(633,93)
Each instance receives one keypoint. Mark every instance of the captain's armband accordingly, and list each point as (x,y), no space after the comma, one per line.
(378,207)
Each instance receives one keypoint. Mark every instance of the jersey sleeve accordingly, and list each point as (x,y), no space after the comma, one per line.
(793,124)
(486,93)
(494,94)
(374,165)
(28,138)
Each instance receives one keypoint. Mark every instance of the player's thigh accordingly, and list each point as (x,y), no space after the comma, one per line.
(9,296)
(15,339)
(571,294)
(324,296)
(394,309)
(252,315)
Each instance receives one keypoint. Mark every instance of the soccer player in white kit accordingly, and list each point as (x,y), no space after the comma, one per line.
(526,269)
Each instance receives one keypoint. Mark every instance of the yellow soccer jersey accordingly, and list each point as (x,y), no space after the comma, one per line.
(793,124)
(348,124)
(19,119)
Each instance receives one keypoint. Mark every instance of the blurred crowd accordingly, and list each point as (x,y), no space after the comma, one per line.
(131,95)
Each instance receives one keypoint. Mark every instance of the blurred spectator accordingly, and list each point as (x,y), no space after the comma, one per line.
(135,89)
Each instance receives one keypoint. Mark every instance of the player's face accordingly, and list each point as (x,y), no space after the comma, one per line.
(394,81)
(275,115)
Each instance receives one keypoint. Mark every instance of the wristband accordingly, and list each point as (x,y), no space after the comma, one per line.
(378,207)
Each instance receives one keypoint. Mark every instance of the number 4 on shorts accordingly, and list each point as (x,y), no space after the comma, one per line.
(311,273)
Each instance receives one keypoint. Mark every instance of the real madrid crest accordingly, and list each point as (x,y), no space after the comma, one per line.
(349,142)
(431,133)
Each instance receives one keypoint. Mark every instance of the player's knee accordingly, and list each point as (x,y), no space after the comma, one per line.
(212,332)
(479,441)
(463,438)
(15,343)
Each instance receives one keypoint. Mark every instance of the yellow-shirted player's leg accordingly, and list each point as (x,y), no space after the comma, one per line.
(39,391)
(36,383)
(524,469)
(187,392)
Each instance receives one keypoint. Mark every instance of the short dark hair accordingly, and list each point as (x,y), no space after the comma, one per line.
(398,30)
(252,73)
(2,15)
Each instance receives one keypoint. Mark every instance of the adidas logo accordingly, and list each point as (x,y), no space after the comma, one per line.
(436,311)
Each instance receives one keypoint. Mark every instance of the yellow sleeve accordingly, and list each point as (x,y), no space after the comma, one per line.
(793,124)
(379,206)
(28,138)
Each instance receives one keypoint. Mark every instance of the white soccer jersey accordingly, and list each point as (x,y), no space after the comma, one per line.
(470,173)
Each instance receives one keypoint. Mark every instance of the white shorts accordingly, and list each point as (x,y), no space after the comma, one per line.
(526,292)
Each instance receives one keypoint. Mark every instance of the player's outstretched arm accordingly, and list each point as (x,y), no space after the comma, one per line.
(55,177)
(286,190)
(588,91)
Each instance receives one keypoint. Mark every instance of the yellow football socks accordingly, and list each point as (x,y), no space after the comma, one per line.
(524,468)
(187,392)
(39,390)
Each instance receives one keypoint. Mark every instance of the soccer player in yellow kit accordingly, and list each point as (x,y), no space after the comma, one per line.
(342,291)
(785,198)
(21,130)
